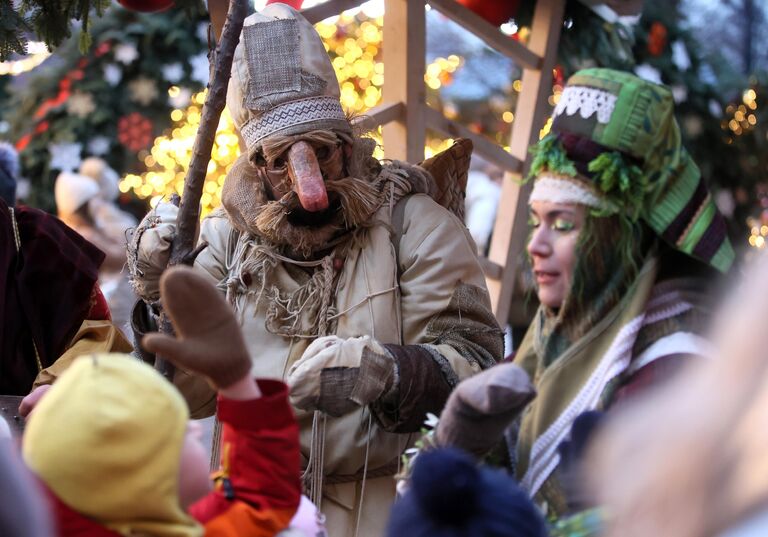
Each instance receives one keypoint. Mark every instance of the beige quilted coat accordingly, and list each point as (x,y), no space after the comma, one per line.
(373,297)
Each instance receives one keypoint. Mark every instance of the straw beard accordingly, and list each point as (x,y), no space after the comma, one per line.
(287,224)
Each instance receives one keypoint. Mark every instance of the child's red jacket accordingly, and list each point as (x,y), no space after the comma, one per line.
(258,488)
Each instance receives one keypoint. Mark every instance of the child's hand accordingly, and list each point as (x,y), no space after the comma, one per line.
(30,401)
(208,339)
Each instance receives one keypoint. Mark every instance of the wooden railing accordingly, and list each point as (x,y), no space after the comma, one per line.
(404,115)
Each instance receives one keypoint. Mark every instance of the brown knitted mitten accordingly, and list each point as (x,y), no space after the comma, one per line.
(208,339)
(482,406)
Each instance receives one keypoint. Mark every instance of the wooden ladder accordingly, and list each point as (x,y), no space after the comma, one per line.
(405,116)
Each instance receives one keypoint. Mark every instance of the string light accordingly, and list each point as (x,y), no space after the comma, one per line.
(743,116)
(758,234)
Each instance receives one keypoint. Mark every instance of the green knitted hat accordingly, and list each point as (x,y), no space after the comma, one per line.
(617,134)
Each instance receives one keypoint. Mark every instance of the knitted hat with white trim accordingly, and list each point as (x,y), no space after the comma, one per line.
(282,81)
(615,135)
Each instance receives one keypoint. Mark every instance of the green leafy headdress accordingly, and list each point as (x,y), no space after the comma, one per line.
(615,147)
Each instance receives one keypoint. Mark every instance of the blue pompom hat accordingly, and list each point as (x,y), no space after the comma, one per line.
(450,496)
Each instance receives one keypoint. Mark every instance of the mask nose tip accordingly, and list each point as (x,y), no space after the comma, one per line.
(307,178)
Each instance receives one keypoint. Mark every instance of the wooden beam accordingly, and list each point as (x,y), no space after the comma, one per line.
(489,33)
(491,270)
(328,9)
(404,51)
(511,229)
(489,150)
(381,115)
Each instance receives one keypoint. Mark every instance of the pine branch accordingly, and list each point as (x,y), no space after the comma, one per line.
(12,28)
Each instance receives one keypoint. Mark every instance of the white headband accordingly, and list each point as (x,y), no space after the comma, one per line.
(560,189)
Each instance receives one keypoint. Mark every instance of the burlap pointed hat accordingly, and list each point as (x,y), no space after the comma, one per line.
(282,81)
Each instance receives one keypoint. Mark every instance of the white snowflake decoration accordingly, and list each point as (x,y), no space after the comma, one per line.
(126,53)
(99,145)
(4,127)
(173,72)
(715,108)
(80,104)
(181,99)
(202,32)
(112,74)
(707,74)
(649,73)
(693,126)
(680,55)
(143,90)
(679,94)
(201,68)
(65,156)
(725,202)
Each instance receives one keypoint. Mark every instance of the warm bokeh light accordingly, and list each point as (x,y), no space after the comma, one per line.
(168,161)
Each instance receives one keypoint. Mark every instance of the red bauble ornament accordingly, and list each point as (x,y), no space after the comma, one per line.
(146,6)
(657,39)
(497,12)
(134,131)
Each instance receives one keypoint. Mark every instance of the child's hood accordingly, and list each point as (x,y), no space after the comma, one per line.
(106,439)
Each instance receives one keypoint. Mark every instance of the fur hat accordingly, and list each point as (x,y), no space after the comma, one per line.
(72,191)
(450,495)
(282,81)
(108,179)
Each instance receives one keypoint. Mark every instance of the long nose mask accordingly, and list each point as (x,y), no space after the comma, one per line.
(306,178)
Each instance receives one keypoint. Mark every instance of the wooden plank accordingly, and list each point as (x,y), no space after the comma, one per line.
(381,115)
(511,229)
(328,9)
(492,152)
(491,270)
(489,33)
(404,51)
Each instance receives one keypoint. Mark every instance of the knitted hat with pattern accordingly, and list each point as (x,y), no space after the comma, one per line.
(614,136)
(282,81)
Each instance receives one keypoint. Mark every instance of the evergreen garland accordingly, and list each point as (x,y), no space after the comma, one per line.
(52,21)
(550,155)
(40,112)
(623,184)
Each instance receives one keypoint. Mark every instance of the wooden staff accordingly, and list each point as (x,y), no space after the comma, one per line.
(183,246)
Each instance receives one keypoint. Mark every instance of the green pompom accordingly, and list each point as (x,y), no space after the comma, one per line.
(623,184)
(550,155)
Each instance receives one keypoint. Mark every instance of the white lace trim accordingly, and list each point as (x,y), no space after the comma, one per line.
(586,101)
(556,189)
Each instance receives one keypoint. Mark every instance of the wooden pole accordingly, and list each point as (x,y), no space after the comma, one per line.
(404,67)
(510,230)
(183,245)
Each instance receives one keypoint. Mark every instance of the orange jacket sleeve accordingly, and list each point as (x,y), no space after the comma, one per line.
(258,488)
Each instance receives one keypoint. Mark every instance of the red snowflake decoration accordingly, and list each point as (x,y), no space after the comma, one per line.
(134,131)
